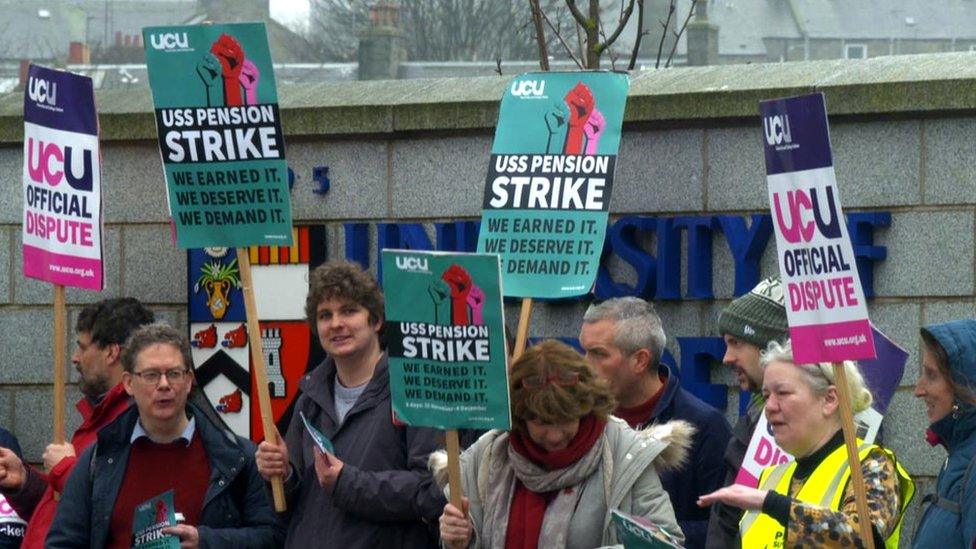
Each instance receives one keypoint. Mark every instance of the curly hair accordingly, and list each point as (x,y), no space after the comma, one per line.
(553,403)
(820,375)
(111,321)
(343,280)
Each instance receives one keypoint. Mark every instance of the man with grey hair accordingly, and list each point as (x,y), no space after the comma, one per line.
(624,341)
(165,443)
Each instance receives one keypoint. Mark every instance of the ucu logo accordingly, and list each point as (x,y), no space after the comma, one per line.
(799,227)
(528,88)
(169,41)
(47,162)
(42,91)
(777,129)
(411,263)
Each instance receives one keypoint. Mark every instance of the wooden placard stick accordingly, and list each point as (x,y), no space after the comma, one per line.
(59,365)
(850,435)
(522,333)
(257,360)
(454,467)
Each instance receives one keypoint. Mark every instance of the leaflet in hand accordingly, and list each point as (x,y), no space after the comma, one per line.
(321,440)
(150,518)
(640,533)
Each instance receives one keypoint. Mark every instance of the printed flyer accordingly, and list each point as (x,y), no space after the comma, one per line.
(547,194)
(825,303)
(148,521)
(639,533)
(62,229)
(446,340)
(220,134)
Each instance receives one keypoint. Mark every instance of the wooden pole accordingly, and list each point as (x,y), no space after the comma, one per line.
(522,334)
(257,360)
(850,435)
(59,364)
(454,467)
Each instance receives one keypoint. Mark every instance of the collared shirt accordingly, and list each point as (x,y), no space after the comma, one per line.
(186,436)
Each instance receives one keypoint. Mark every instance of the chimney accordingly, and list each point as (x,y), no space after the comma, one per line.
(128,41)
(24,70)
(118,39)
(381,47)
(702,37)
(79,54)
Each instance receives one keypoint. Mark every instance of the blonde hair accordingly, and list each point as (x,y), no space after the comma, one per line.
(820,375)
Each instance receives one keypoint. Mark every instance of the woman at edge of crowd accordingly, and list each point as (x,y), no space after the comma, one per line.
(553,480)
(809,502)
(947,385)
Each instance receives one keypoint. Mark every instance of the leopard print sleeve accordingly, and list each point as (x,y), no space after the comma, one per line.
(813,526)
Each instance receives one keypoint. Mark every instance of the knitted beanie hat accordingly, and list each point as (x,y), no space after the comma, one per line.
(757,317)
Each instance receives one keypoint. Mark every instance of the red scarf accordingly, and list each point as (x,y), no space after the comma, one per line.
(528,508)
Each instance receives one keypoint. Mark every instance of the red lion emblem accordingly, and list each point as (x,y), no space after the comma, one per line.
(231,404)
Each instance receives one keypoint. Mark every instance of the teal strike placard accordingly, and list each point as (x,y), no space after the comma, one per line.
(547,195)
(220,136)
(446,340)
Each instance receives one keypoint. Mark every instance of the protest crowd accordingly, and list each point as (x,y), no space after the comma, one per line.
(535,443)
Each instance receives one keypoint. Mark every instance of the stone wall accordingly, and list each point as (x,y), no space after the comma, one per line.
(418,150)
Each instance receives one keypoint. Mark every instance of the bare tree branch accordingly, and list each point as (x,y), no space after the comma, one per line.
(569,51)
(640,35)
(540,34)
(664,33)
(624,17)
(677,36)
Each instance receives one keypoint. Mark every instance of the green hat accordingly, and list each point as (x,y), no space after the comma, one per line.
(757,317)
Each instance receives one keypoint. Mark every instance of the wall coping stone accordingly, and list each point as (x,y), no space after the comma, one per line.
(939,84)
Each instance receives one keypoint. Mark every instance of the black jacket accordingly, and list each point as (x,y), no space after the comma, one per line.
(237,510)
(705,470)
(385,496)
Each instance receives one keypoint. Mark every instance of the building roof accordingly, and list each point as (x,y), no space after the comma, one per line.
(38,30)
(886,19)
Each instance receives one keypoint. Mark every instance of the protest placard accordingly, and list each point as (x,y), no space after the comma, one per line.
(62,228)
(223,154)
(825,303)
(881,375)
(550,177)
(639,533)
(446,340)
(220,137)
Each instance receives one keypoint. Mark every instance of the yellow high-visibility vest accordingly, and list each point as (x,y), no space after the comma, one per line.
(824,488)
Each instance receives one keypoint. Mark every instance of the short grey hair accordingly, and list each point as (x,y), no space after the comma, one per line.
(152,334)
(637,325)
(820,375)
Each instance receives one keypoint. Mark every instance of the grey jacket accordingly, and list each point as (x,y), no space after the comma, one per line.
(385,497)
(627,480)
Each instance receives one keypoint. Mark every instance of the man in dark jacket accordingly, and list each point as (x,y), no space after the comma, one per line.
(102,330)
(163,444)
(748,324)
(374,490)
(623,339)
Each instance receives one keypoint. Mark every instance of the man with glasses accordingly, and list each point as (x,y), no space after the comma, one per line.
(164,443)
(624,339)
(102,329)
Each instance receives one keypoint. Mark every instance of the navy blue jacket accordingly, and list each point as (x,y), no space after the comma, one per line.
(950,518)
(705,470)
(237,510)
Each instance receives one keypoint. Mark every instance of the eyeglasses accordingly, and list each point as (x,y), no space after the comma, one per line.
(559,379)
(152,377)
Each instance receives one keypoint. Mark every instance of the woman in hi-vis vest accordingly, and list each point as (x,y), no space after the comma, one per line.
(947,385)
(810,502)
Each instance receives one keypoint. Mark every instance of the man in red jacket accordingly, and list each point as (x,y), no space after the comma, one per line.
(102,330)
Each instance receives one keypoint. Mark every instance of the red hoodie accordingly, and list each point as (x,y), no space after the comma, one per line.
(41,515)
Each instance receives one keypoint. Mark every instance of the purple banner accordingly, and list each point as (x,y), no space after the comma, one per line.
(60,100)
(795,134)
(62,222)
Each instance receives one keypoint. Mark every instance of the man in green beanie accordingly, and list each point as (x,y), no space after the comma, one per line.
(747,325)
